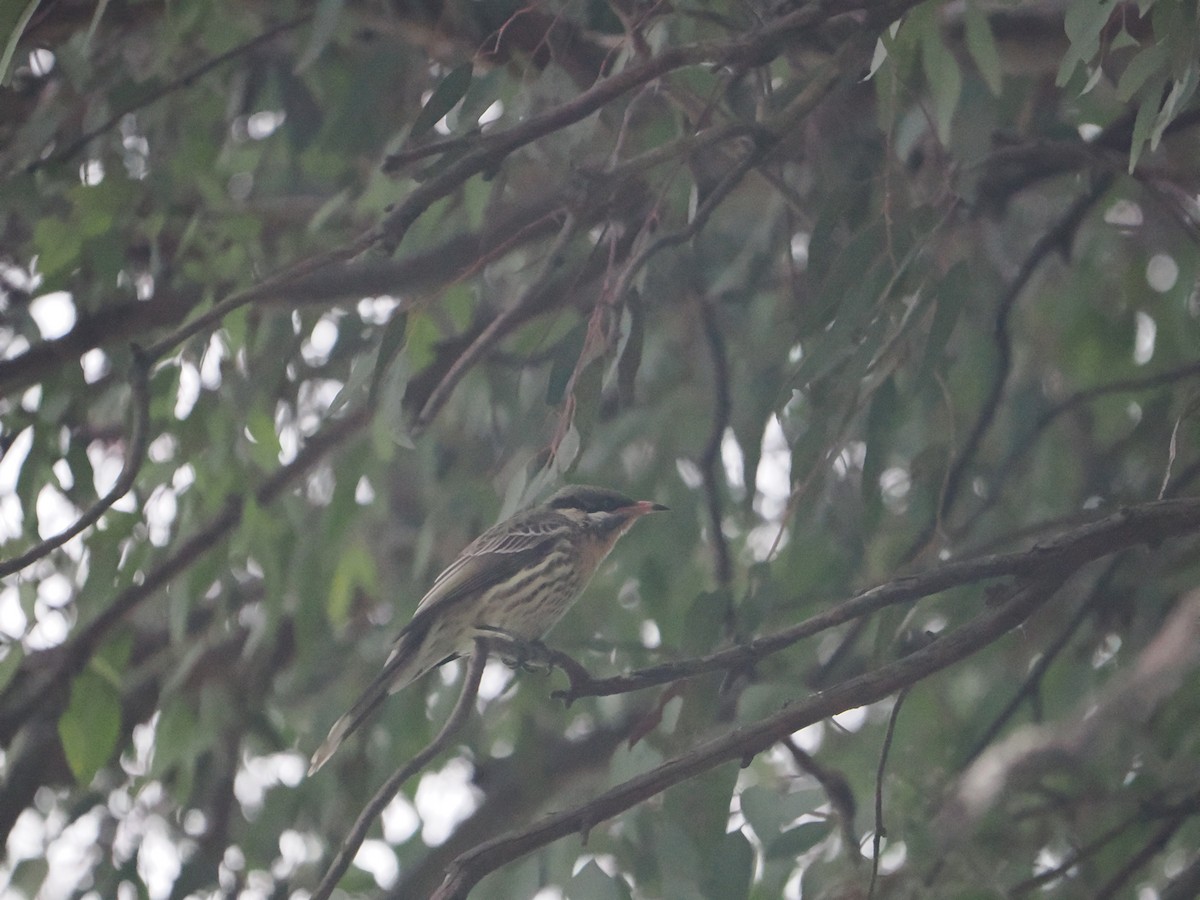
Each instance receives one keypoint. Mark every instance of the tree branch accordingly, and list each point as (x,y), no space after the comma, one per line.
(745,742)
(186,80)
(135,455)
(1143,524)
(358,833)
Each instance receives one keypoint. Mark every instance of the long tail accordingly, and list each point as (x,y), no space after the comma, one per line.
(397,673)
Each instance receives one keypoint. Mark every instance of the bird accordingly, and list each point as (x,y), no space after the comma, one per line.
(516,580)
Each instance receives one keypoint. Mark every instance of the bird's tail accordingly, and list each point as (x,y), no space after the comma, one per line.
(397,673)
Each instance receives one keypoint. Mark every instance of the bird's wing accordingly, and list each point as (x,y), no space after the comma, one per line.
(494,556)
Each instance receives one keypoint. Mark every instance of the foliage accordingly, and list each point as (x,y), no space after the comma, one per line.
(301,297)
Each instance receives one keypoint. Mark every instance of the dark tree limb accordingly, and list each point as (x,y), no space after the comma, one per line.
(745,742)
(1147,523)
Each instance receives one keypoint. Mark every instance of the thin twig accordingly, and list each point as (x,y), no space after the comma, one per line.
(880,831)
(135,454)
(747,740)
(24,696)
(186,80)
(1057,237)
(837,790)
(353,841)
(1145,523)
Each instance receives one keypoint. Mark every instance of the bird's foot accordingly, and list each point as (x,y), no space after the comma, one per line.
(517,652)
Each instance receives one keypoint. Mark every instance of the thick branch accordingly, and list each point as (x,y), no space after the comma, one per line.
(746,742)
(1144,524)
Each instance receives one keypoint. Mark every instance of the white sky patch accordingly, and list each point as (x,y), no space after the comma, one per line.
(14,346)
(95,365)
(161,509)
(810,738)
(496,677)
(321,342)
(379,859)
(51,630)
(492,113)
(772,480)
(106,469)
(800,242)
(264,123)
(852,719)
(12,516)
(377,310)
(55,590)
(41,62)
(1143,340)
(13,620)
(261,773)
(1162,272)
(733,460)
(54,511)
(158,861)
(295,850)
(210,363)
(650,635)
(189,390)
(689,473)
(364,493)
(162,448)
(400,820)
(895,484)
(62,471)
(54,314)
(91,172)
(444,799)
(1124,214)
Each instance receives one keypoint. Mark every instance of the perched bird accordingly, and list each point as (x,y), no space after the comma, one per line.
(515,580)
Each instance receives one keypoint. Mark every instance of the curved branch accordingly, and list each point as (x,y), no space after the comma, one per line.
(186,80)
(382,797)
(1143,524)
(1079,398)
(745,742)
(135,455)
(42,673)
(756,48)
(1058,237)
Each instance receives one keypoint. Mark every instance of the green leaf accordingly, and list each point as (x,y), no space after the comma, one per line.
(13,19)
(1150,61)
(798,840)
(885,414)
(448,92)
(944,79)
(390,345)
(91,725)
(325,19)
(1143,126)
(1083,22)
(982,46)
(264,442)
(730,869)
(13,654)
(593,883)
(355,569)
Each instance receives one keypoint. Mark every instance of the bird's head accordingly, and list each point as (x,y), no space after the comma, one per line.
(599,509)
